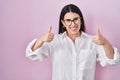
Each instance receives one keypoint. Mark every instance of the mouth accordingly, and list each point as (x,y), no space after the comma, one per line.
(73,28)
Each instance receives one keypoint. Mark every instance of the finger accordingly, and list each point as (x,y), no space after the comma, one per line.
(49,40)
(50,29)
(98,31)
(50,37)
(95,37)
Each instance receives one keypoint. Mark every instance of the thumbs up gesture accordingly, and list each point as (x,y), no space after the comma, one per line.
(48,37)
(98,38)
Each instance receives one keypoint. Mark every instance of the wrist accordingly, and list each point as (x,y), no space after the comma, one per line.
(41,39)
(105,42)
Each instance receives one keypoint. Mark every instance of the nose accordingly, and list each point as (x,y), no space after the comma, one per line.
(72,23)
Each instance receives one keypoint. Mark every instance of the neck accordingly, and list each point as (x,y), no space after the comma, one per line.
(74,36)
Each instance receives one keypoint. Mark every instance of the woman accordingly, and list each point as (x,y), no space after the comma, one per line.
(73,52)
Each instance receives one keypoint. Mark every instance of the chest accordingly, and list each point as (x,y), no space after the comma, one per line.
(81,50)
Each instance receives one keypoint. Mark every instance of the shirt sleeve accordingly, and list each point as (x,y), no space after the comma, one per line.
(39,54)
(104,60)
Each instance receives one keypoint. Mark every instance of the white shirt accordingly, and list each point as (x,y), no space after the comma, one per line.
(72,61)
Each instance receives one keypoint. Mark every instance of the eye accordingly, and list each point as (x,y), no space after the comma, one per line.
(68,20)
(76,18)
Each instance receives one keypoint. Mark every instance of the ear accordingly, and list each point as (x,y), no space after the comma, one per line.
(63,23)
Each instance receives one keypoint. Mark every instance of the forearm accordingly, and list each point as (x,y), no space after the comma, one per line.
(108,50)
(47,37)
(37,44)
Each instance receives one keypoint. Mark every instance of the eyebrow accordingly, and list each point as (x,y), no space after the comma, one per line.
(72,19)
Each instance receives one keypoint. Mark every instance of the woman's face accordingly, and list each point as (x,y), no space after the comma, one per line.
(72,23)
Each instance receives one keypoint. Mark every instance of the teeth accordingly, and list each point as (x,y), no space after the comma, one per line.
(73,28)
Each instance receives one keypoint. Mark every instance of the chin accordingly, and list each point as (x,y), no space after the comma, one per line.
(74,32)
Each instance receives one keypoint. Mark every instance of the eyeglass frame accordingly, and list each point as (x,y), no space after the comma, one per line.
(76,18)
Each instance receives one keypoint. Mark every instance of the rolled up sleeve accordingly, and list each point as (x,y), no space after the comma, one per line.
(39,54)
(104,60)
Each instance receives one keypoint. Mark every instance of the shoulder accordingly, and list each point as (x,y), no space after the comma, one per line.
(58,36)
(61,35)
(86,35)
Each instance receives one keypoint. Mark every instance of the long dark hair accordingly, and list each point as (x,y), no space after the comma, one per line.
(70,8)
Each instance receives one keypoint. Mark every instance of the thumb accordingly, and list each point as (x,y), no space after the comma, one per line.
(50,29)
(98,31)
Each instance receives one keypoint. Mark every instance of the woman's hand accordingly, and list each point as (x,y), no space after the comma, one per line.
(47,37)
(98,38)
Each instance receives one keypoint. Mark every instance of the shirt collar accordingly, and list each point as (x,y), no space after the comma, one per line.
(64,34)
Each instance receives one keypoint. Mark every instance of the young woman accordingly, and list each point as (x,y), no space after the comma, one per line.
(73,52)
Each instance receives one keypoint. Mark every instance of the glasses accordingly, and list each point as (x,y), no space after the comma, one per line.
(68,22)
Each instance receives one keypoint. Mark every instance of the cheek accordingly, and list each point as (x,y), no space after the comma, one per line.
(79,25)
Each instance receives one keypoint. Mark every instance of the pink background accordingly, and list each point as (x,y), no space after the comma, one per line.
(23,20)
